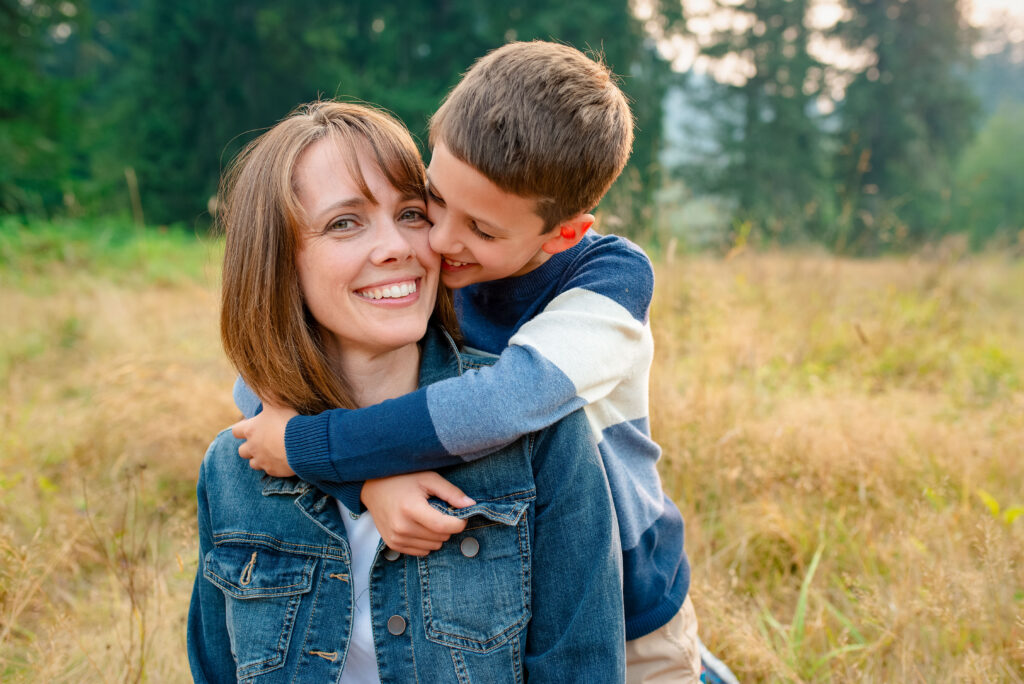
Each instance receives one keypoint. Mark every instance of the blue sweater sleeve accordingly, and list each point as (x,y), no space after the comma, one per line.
(483,410)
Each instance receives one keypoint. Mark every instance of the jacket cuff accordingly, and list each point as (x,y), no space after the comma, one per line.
(307,448)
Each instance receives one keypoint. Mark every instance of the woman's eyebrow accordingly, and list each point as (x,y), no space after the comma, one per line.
(349,203)
(411,195)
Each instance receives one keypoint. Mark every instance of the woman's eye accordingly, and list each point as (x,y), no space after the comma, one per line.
(479,233)
(414,216)
(345,223)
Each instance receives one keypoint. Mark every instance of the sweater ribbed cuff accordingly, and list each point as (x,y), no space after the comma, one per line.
(348,493)
(642,625)
(306,445)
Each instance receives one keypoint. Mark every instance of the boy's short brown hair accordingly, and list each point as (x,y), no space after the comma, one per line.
(540,120)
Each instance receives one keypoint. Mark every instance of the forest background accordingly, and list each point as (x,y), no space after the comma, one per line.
(831,193)
(859,125)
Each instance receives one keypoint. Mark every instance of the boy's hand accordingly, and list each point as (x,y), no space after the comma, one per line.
(264,440)
(406,522)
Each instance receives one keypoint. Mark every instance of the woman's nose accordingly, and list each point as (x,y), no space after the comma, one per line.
(392,244)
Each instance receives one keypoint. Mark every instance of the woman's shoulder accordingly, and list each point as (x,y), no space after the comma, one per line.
(222,448)
(222,462)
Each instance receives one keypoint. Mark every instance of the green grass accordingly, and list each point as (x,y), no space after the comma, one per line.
(34,254)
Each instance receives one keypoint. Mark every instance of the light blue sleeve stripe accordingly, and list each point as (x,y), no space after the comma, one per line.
(492,406)
(629,459)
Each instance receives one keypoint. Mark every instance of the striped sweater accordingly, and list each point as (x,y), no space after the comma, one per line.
(572,333)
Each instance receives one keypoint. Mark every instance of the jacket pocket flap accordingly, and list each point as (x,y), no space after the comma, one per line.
(247,572)
(503,512)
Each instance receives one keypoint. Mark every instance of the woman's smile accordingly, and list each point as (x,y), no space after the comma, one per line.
(397,292)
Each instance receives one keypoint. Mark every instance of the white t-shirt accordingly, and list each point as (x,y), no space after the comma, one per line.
(363,539)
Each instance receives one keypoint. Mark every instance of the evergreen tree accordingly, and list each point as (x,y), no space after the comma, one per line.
(904,120)
(769,143)
(37,137)
(989,192)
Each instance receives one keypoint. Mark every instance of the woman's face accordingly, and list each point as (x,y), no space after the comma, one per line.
(366,270)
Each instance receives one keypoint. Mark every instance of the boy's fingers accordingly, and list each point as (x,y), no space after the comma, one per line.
(415,547)
(446,491)
(239,430)
(428,535)
(433,520)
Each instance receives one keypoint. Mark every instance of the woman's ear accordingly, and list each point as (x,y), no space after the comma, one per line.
(568,233)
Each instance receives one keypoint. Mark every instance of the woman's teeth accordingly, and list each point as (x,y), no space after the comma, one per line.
(389,291)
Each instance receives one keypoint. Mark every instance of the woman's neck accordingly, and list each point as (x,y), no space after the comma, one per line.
(375,377)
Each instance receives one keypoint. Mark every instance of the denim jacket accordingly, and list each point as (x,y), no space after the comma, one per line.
(530,590)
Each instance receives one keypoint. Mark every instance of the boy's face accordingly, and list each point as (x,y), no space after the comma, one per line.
(481,232)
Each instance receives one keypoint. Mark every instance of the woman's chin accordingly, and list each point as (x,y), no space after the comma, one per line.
(388,339)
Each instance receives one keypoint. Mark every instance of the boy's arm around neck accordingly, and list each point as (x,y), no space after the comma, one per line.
(587,341)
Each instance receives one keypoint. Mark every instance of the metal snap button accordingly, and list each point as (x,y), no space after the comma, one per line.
(469,547)
(390,554)
(396,625)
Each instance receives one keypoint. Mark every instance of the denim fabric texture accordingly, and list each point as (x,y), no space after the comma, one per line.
(531,589)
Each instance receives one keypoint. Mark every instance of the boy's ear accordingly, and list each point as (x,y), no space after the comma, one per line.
(568,233)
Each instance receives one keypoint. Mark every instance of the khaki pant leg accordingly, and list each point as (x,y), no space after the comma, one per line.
(668,654)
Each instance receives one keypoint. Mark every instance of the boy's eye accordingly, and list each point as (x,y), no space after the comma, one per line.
(479,233)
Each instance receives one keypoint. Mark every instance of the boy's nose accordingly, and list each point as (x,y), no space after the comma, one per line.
(442,237)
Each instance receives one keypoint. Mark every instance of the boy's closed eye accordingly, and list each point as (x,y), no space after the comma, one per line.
(475,229)
(434,197)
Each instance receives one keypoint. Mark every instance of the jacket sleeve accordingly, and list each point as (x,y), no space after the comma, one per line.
(577,632)
(577,350)
(209,647)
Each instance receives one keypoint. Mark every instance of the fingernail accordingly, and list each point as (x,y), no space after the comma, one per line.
(466,501)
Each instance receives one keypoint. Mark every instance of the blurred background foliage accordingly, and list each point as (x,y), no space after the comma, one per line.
(888,124)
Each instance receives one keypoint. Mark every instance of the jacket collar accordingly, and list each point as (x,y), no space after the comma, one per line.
(284,485)
(439,356)
(439,359)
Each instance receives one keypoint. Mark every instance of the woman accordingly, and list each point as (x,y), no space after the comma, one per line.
(329,296)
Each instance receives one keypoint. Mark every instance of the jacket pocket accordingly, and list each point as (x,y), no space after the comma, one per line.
(262,590)
(476,588)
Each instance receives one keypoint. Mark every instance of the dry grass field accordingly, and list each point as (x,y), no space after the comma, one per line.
(845,439)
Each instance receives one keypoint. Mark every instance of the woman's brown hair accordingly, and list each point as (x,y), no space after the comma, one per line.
(268,333)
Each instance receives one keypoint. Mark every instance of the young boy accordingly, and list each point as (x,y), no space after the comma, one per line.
(522,149)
